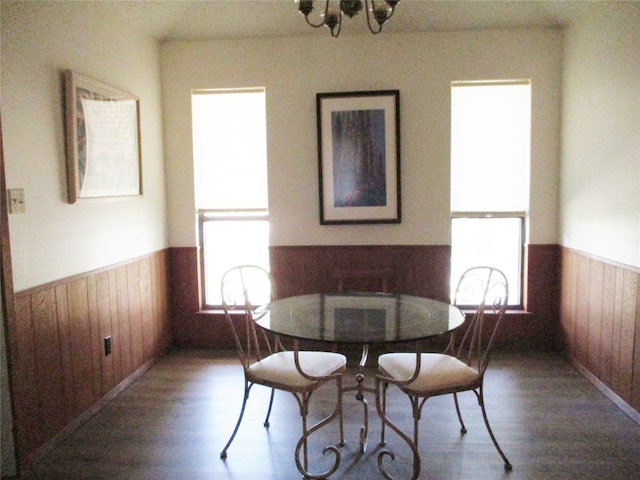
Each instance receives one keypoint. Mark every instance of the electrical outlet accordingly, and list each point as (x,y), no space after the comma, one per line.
(16,200)
(107,346)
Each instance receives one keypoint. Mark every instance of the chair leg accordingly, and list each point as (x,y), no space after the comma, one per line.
(385,386)
(416,406)
(266,420)
(247,389)
(463,429)
(507,464)
(302,460)
(412,443)
(341,418)
(305,450)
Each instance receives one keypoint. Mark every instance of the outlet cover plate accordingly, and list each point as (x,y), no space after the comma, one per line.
(16,200)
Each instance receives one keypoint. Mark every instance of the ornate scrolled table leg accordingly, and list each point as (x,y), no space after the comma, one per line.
(364,429)
(360,388)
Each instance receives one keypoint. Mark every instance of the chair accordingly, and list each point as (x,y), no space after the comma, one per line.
(460,368)
(265,362)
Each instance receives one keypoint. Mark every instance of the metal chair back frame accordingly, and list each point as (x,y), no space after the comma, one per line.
(491,285)
(487,287)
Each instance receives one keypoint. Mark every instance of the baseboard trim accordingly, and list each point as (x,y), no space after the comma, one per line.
(84,417)
(606,391)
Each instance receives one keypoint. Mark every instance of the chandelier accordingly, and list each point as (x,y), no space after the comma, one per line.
(378,12)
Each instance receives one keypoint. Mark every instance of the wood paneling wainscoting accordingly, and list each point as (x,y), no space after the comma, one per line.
(600,316)
(59,369)
(418,270)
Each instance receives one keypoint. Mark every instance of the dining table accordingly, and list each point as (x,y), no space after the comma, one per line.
(363,318)
(359,318)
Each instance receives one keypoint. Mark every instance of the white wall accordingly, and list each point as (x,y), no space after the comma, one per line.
(600,196)
(421,66)
(55,239)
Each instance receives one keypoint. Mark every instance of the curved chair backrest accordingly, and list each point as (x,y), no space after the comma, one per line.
(243,289)
(486,287)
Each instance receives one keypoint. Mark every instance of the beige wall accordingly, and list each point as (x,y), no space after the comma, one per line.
(421,66)
(55,239)
(600,199)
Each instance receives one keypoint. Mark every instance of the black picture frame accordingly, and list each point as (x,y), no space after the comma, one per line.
(359,157)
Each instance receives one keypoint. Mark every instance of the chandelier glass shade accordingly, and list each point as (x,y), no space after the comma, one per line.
(331,14)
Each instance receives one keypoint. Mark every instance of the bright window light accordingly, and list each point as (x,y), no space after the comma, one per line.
(495,242)
(230,243)
(490,147)
(490,161)
(230,164)
(229,149)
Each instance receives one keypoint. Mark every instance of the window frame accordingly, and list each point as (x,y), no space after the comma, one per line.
(522,216)
(221,215)
(213,210)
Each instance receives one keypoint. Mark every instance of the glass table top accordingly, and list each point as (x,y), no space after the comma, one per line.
(358,317)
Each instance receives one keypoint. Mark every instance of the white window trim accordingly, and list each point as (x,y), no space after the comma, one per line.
(523,216)
(212,215)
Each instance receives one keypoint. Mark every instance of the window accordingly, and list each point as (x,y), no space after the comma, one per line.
(230,166)
(490,152)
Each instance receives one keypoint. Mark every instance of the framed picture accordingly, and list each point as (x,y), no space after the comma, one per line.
(359,157)
(103,140)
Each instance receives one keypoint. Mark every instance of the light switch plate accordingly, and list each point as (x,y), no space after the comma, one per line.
(16,200)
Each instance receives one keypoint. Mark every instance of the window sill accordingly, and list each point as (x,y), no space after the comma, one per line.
(466,311)
(512,312)
(212,311)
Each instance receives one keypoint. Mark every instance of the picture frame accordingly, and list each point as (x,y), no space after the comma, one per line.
(102,140)
(359,157)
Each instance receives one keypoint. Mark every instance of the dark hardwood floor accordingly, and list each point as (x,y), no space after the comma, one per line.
(174,420)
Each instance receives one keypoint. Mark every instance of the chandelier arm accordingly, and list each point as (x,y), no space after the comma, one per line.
(371,29)
(321,24)
(322,16)
(339,25)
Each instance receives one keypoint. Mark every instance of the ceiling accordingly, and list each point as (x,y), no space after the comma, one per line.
(225,19)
